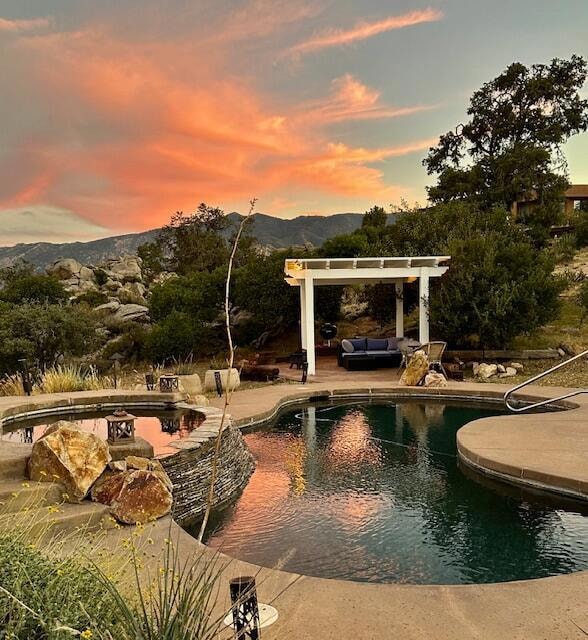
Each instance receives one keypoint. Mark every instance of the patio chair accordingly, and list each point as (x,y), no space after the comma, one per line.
(434,351)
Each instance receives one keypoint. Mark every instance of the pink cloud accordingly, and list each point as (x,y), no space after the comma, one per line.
(18,26)
(363,31)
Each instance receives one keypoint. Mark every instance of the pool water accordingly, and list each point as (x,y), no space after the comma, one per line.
(374,492)
(159,428)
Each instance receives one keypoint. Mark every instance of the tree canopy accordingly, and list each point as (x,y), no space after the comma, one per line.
(510,148)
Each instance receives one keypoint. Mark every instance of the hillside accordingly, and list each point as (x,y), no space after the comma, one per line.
(272,232)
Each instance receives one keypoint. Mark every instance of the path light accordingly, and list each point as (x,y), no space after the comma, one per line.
(116,358)
(27,385)
(121,427)
(247,617)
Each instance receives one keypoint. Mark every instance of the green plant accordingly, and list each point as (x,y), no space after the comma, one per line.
(564,248)
(49,598)
(91,298)
(583,300)
(42,333)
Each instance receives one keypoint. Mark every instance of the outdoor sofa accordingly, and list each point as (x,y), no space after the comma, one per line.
(369,353)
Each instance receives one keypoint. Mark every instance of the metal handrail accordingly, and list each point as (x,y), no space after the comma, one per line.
(538,377)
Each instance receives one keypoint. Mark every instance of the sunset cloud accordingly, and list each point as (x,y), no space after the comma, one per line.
(19,26)
(363,31)
(350,99)
(121,133)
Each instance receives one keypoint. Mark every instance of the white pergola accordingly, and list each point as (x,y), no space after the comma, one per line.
(306,273)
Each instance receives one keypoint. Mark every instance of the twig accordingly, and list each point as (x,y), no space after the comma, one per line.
(230,362)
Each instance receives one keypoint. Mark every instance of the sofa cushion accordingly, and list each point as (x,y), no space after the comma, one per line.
(347,346)
(393,343)
(359,344)
(377,344)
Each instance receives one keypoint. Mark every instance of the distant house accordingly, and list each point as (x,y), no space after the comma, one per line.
(576,193)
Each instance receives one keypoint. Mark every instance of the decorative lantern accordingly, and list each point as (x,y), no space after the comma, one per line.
(245,609)
(121,427)
(170,425)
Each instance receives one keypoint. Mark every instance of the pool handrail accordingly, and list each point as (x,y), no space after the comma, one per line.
(542,403)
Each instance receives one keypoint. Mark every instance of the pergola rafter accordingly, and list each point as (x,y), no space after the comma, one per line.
(306,273)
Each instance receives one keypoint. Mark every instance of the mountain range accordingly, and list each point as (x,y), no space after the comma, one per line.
(270,232)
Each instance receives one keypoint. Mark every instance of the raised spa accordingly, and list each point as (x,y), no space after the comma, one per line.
(374,492)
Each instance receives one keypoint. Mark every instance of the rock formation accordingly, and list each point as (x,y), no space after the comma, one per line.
(69,456)
(136,490)
(416,369)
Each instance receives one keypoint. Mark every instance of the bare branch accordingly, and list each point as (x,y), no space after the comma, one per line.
(230,362)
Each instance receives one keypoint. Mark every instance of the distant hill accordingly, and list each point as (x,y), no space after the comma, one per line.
(274,233)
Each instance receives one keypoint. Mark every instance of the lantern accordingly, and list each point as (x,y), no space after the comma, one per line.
(121,427)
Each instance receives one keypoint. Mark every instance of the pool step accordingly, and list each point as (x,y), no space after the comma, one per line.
(63,518)
(13,460)
(17,495)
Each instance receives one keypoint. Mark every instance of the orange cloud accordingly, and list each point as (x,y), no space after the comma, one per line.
(363,31)
(350,99)
(19,26)
(124,133)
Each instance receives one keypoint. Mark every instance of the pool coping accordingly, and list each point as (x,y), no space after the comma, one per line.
(311,608)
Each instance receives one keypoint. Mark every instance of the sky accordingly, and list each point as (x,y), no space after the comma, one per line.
(114,114)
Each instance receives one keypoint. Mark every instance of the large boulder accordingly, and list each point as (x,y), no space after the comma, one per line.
(135,496)
(87,274)
(416,370)
(136,312)
(131,293)
(69,456)
(435,379)
(65,269)
(126,268)
(486,371)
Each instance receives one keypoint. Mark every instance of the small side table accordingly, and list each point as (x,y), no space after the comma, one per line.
(169,383)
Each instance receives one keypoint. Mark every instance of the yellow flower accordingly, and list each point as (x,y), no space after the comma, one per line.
(14,494)
(87,634)
(60,572)
(150,540)
(26,485)
(53,509)
(43,473)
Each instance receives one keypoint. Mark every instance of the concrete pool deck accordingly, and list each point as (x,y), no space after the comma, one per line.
(555,445)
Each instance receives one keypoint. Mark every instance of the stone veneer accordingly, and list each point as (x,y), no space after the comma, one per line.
(190,469)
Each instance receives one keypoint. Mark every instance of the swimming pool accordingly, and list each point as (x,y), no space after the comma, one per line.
(374,492)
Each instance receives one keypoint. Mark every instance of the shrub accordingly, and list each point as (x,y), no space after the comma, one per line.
(91,298)
(497,287)
(583,300)
(564,248)
(42,333)
(52,599)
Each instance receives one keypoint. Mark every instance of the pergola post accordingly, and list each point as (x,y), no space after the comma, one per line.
(309,323)
(399,287)
(303,340)
(423,305)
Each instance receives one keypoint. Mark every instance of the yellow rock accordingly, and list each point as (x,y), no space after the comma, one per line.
(416,370)
(69,456)
(137,462)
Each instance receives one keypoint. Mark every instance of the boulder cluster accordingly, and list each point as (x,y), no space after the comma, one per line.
(136,489)
(120,281)
(485,371)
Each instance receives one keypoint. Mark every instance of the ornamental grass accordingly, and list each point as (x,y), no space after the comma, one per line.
(103,584)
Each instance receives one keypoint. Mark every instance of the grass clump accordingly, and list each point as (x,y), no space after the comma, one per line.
(71,377)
